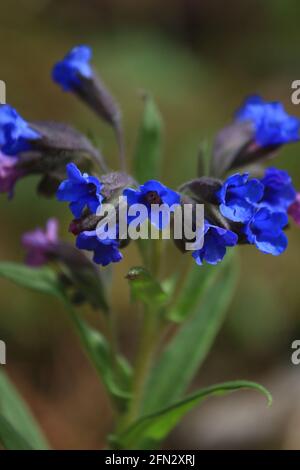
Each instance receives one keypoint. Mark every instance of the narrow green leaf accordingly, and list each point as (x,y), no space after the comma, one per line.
(97,348)
(39,279)
(185,353)
(146,163)
(145,288)
(17,425)
(151,430)
(199,279)
(10,438)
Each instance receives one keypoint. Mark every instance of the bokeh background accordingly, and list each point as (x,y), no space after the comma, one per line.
(199,59)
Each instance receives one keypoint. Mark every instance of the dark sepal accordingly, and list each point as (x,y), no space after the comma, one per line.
(228,144)
(202,189)
(64,141)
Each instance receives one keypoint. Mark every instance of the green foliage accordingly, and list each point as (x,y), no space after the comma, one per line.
(146,163)
(152,429)
(114,376)
(18,429)
(145,288)
(43,280)
(187,350)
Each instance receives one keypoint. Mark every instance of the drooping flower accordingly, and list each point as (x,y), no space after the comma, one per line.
(279,192)
(216,239)
(272,124)
(106,251)
(74,65)
(294,209)
(265,231)
(16,134)
(238,197)
(153,194)
(9,173)
(80,190)
(40,243)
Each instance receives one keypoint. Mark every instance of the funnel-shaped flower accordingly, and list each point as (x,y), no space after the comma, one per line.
(16,135)
(238,197)
(265,230)
(216,239)
(272,124)
(75,64)
(80,190)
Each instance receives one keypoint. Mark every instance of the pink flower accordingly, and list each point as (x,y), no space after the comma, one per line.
(40,243)
(9,173)
(294,209)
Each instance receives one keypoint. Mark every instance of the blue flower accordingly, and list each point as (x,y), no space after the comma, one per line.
(75,65)
(105,251)
(80,190)
(153,194)
(216,239)
(272,124)
(265,230)
(238,197)
(15,133)
(279,192)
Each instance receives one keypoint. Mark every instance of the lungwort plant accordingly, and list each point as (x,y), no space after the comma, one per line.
(182,313)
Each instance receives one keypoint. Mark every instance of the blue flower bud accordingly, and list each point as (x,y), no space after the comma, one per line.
(272,124)
(15,133)
(80,190)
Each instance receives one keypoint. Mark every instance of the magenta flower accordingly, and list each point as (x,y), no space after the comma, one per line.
(294,209)
(9,173)
(40,243)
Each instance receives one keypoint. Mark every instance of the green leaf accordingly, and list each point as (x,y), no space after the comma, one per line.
(97,347)
(145,288)
(38,279)
(146,163)
(18,428)
(150,430)
(199,279)
(187,350)
(117,382)
(10,438)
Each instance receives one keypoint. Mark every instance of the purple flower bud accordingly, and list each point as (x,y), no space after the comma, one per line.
(294,209)
(40,243)
(9,173)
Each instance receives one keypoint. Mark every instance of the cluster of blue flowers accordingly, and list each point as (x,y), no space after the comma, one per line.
(255,209)
(260,206)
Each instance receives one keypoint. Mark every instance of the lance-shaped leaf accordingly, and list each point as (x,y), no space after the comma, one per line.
(145,288)
(191,294)
(95,344)
(43,280)
(150,430)
(18,428)
(186,351)
(147,158)
(116,380)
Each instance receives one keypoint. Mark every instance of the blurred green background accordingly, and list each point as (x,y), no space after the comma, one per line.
(199,59)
